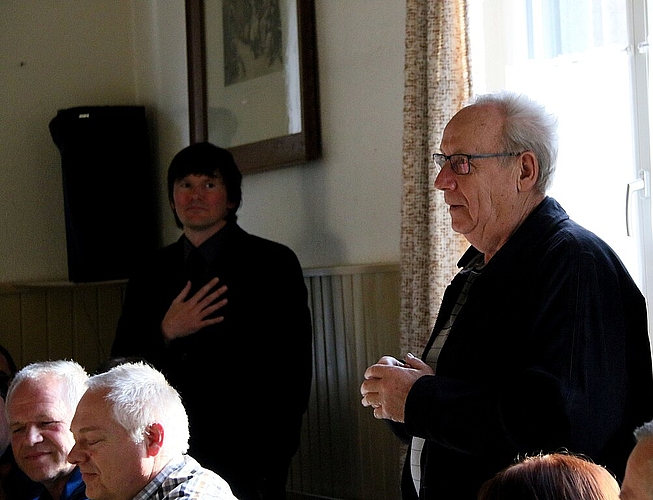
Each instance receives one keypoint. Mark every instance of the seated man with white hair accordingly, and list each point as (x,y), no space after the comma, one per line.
(131,438)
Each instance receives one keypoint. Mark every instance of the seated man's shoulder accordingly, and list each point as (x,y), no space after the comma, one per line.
(194,481)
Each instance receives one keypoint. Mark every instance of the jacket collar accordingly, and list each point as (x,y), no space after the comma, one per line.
(529,236)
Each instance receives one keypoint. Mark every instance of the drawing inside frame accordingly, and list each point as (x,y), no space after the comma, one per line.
(268,118)
(253,90)
(253,39)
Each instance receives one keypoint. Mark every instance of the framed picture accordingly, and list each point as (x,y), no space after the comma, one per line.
(252,71)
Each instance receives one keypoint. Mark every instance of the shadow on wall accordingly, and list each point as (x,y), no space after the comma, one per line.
(321,245)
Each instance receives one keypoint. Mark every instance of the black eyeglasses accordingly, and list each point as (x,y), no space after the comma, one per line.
(460,162)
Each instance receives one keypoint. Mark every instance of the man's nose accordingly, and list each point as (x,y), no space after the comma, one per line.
(197,192)
(33,435)
(74,457)
(446,178)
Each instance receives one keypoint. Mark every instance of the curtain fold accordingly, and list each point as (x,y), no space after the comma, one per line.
(437,83)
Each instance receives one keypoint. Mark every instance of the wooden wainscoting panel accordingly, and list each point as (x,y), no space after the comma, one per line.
(109,309)
(10,325)
(85,329)
(345,453)
(59,324)
(40,321)
(34,324)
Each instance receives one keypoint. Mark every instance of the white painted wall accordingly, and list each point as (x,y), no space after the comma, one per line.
(55,54)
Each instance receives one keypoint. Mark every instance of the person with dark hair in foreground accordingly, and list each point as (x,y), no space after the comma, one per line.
(541,341)
(554,476)
(224,315)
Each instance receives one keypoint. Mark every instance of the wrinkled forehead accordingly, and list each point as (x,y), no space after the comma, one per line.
(45,396)
(474,129)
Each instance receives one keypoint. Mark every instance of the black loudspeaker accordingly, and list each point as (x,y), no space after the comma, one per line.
(108,187)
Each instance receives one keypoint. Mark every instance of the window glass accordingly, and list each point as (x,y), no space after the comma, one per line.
(574,57)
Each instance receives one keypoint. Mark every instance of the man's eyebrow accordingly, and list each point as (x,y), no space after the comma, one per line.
(88,428)
(43,417)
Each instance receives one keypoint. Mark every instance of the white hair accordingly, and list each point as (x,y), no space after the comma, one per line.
(139,396)
(527,126)
(69,372)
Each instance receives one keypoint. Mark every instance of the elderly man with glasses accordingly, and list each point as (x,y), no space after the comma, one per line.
(541,341)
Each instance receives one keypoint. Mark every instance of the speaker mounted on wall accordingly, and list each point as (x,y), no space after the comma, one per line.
(109,189)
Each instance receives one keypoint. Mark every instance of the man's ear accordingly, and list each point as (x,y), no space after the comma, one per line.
(154,439)
(529,170)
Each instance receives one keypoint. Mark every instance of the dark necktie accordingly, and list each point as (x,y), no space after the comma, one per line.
(196,270)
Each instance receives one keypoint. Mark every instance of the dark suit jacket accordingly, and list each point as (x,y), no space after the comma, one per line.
(550,351)
(255,366)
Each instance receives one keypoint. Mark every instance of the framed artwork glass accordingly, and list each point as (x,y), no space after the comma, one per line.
(252,75)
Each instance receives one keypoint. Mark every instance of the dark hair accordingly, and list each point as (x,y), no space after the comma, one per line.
(553,476)
(10,360)
(204,158)
(5,378)
(109,363)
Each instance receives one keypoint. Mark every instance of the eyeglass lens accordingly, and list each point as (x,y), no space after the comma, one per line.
(459,163)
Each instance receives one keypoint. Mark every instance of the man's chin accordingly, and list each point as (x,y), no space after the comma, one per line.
(460,221)
(89,480)
(45,474)
(457,226)
(201,226)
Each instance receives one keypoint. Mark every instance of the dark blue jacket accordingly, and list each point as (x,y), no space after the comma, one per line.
(75,489)
(550,351)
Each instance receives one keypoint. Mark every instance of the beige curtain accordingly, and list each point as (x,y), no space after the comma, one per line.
(437,83)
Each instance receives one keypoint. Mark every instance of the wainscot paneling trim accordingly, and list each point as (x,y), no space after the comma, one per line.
(345,453)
